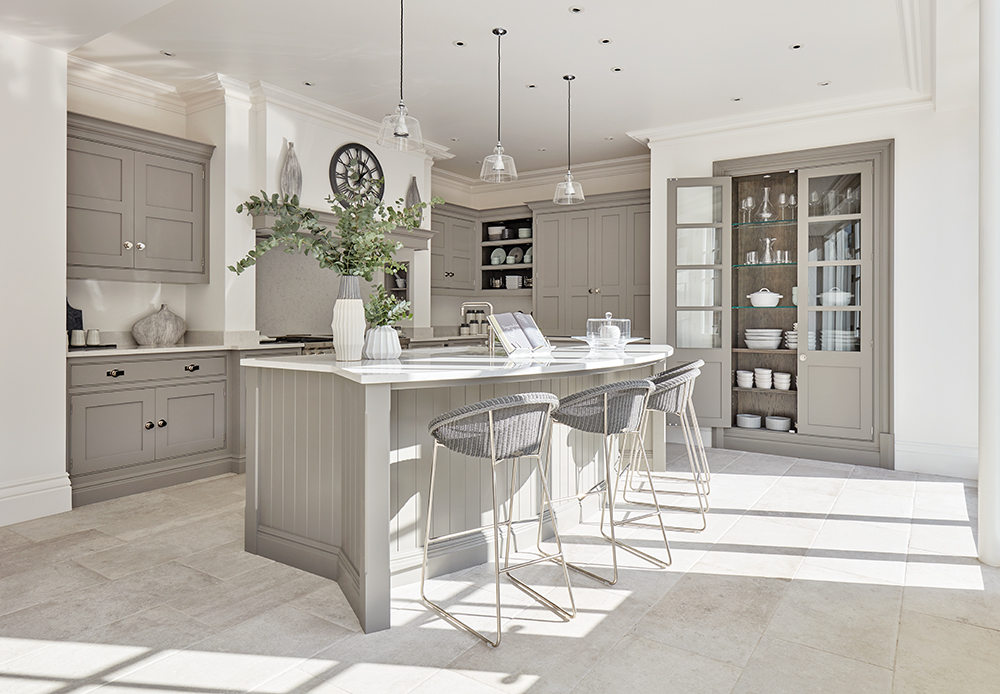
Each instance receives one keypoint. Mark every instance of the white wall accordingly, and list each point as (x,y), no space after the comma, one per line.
(935,257)
(33,479)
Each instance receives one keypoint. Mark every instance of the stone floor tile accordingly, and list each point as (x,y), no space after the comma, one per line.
(940,655)
(10,540)
(780,667)
(224,561)
(719,617)
(58,549)
(296,681)
(854,620)
(643,665)
(43,583)
(970,596)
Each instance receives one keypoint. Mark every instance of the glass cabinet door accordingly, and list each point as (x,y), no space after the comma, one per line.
(698,322)
(835,302)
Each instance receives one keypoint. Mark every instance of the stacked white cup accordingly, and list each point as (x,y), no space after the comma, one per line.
(782,381)
(762,378)
(744,379)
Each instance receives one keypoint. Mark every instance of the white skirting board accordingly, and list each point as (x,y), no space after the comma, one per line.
(29,499)
(937,459)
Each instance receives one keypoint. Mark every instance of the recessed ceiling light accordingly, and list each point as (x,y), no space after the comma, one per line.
(454,139)
(169,54)
(824,83)
(609,138)
(575,9)
(309,84)
(460,44)
(479,161)
(531,86)
(541,149)
(616,69)
(795,47)
(736,98)
(605,42)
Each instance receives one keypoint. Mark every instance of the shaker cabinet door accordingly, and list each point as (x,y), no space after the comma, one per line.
(550,267)
(190,419)
(462,237)
(99,199)
(169,214)
(111,430)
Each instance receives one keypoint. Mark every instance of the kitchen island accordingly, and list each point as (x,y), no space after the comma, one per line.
(338,460)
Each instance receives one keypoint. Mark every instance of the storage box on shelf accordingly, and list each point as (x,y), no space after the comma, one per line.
(507,256)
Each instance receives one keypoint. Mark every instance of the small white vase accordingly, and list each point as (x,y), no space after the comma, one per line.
(382,342)
(348,320)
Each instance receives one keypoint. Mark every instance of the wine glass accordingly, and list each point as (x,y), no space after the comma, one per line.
(749,202)
(814,208)
(782,203)
(792,203)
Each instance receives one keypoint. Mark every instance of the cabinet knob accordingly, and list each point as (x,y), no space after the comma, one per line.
(192,367)
(115,373)
(590,291)
(148,425)
(802,357)
(127,245)
(140,246)
(161,423)
(597,291)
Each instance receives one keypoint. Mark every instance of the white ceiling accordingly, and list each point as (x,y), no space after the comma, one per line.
(682,61)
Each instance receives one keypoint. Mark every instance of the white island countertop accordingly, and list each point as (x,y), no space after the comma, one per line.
(417,367)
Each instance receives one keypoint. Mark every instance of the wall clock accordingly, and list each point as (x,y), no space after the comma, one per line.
(355,172)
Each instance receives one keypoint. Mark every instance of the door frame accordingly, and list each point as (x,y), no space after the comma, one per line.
(881,154)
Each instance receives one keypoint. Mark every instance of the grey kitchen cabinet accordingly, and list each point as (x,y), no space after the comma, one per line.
(824,245)
(591,260)
(140,421)
(137,204)
(453,248)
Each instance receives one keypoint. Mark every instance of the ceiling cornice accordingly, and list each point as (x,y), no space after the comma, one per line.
(213,90)
(123,85)
(324,114)
(904,100)
(916,20)
(598,169)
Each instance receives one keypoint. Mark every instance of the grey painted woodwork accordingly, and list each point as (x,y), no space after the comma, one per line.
(845,399)
(136,205)
(713,390)
(338,476)
(453,248)
(107,430)
(589,260)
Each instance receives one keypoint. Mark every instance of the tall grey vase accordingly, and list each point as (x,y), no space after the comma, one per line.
(348,320)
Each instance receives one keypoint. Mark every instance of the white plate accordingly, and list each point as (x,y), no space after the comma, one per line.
(498,256)
(517,254)
(527,255)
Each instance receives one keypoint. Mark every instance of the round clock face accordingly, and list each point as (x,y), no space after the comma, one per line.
(355,172)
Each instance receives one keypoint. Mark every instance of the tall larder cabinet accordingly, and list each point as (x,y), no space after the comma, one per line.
(810,234)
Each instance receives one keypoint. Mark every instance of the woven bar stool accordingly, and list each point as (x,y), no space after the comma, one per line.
(506,428)
(692,432)
(672,395)
(614,411)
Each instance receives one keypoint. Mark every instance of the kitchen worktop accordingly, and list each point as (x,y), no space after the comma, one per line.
(463,364)
(155,349)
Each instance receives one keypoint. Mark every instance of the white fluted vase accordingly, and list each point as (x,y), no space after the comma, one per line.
(382,342)
(348,320)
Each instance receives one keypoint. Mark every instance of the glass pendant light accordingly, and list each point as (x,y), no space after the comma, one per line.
(498,167)
(568,192)
(400,130)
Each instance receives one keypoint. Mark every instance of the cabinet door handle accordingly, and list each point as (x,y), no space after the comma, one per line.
(161,423)
(140,246)
(802,357)
(115,373)
(597,291)
(148,425)
(127,245)
(192,367)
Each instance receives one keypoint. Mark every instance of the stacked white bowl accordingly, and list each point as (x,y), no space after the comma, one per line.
(762,378)
(838,340)
(792,337)
(744,379)
(782,381)
(763,338)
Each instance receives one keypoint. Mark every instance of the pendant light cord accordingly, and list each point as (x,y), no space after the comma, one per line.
(498,87)
(569,123)
(400,50)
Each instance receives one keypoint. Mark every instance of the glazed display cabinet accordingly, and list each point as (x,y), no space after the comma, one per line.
(781,274)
